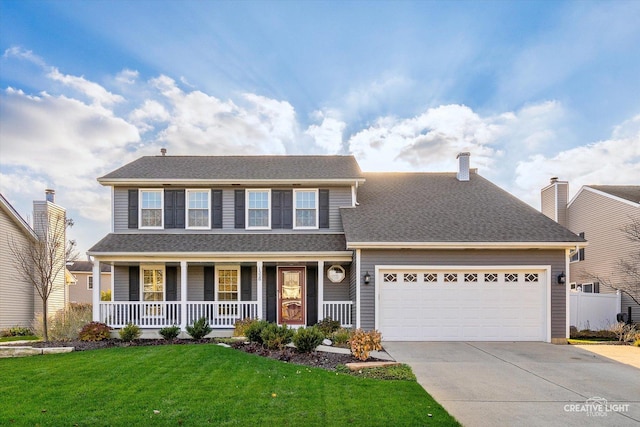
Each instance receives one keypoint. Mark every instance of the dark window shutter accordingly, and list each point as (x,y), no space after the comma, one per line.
(169,209)
(287,209)
(216,209)
(133,208)
(239,209)
(581,255)
(245,283)
(272,290)
(172,283)
(312,296)
(180,208)
(134,283)
(174,208)
(209,285)
(323,205)
(596,287)
(276,209)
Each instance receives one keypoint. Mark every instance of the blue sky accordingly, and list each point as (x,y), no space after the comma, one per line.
(532,89)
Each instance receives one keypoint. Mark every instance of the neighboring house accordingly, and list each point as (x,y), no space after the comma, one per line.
(295,239)
(19,301)
(598,213)
(81,288)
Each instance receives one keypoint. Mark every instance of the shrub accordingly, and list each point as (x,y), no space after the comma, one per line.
(95,331)
(199,329)
(170,332)
(17,331)
(241,326)
(307,339)
(328,326)
(105,295)
(66,324)
(130,332)
(341,337)
(363,342)
(276,337)
(624,332)
(254,331)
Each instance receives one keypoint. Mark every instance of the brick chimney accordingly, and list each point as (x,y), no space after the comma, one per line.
(463,166)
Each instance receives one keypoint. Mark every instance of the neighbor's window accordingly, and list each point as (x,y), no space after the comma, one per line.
(152,283)
(306,208)
(258,202)
(227,283)
(90,283)
(198,208)
(151,208)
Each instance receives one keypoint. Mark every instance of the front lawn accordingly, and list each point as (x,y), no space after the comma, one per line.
(20,338)
(200,385)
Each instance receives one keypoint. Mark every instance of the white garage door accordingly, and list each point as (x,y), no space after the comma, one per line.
(422,304)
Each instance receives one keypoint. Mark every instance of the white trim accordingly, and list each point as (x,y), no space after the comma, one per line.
(358,284)
(259,285)
(95,296)
(317,208)
(17,218)
(113,209)
(464,245)
(153,266)
(113,284)
(320,290)
(246,208)
(567,292)
(151,190)
(219,267)
(224,256)
(545,268)
(183,293)
(604,194)
(186,208)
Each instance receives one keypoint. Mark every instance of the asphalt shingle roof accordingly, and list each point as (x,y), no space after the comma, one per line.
(207,242)
(87,266)
(436,207)
(238,167)
(627,192)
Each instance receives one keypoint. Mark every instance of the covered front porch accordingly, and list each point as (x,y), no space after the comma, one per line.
(156,293)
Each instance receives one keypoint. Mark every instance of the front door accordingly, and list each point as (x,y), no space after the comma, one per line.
(291,295)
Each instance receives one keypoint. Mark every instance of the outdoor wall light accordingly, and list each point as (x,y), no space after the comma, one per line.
(562,279)
(367,278)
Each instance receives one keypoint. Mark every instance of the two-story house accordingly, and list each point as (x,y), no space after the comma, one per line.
(19,300)
(295,239)
(599,213)
(81,287)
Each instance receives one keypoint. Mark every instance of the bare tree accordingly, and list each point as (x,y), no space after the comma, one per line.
(628,268)
(71,251)
(42,262)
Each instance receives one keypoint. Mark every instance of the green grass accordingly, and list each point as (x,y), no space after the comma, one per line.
(20,338)
(200,385)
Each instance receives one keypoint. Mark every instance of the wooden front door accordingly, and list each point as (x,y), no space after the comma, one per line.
(291,295)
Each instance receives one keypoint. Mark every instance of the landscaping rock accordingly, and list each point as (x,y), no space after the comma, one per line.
(56,350)
(224,345)
(327,342)
(363,365)
(19,351)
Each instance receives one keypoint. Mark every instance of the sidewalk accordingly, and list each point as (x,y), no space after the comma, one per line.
(626,354)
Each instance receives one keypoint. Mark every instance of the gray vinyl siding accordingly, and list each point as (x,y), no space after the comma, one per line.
(80,292)
(601,219)
(16,293)
(548,202)
(336,291)
(338,197)
(195,283)
(120,209)
(554,199)
(120,283)
(554,258)
(561,203)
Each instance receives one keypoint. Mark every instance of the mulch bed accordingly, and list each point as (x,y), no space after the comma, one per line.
(318,359)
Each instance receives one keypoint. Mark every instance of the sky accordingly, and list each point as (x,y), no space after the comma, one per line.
(532,89)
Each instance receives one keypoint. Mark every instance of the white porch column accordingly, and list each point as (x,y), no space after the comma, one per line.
(259,287)
(183,294)
(320,289)
(95,297)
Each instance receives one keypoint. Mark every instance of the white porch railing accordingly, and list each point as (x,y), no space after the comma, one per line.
(221,314)
(338,310)
(162,314)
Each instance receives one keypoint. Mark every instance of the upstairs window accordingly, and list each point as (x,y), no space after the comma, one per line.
(258,208)
(151,202)
(306,208)
(198,205)
(579,255)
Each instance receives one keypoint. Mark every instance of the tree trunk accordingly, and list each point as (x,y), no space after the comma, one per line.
(45,322)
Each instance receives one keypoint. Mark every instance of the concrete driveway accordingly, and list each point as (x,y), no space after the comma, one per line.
(524,384)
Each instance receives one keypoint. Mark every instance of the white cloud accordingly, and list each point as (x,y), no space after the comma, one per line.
(615,161)
(127,76)
(328,134)
(94,91)
(18,52)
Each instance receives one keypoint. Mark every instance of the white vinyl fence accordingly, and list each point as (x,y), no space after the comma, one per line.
(593,311)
